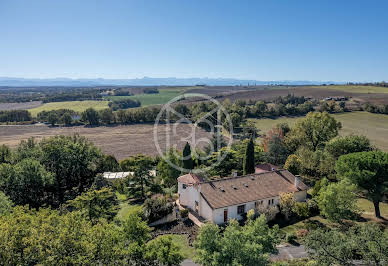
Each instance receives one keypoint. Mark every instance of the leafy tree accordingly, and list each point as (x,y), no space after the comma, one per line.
(225,166)
(208,244)
(99,182)
(5,204)
(130,163)
(249,159)
(329,247)
(287,203)
(91,117)
(312,131)
(156,208)
(316,164)
(53,118)
(96,204)
(165,171)
(372,243)
(137,234)
(187,161)
(107,116)
(141,165)
(367,242)
(27,182)
(73,160)
(274,147)
(67,119)
(337,201)
(216,143)
(369,171)
(108,163)
(163,250)
(5,154)
(238,245)
(348,144)
(293,164)
(301,209)
(43,237)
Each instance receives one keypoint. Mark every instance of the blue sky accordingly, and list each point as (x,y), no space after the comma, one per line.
(263,40)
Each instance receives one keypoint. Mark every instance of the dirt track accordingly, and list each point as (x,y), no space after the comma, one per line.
(121,141)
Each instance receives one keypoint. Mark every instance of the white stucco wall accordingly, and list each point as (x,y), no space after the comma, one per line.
(204,210)
(188,196)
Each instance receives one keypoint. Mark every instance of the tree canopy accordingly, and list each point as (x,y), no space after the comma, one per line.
(369,171)
(312,131)
(237,245)
(249,158)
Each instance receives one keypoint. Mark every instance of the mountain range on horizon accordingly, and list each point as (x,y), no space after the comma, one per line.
(149,81)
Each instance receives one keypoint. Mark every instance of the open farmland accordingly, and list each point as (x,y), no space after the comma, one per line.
(359,94)
(354,88)
(78,106)
(162,97)
(121,141)
(19,106)
(373,126)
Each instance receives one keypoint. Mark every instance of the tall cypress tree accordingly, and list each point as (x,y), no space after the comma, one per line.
(188,163)
(249,159)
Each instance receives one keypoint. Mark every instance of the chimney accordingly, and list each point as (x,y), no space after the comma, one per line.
(297,181)
(235,174)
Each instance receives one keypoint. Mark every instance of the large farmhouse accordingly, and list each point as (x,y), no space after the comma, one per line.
(223,199)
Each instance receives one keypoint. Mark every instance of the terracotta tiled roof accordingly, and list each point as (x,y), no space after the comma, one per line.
(248,188)
(190,178)
(265,167)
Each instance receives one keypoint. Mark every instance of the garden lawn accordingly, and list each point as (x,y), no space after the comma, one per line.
(78,106)
(368,210)
(125,207)
(373,126)
(364,205)
(181,240)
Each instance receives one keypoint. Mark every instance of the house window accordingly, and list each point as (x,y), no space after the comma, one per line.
(269,202)
(184,186)
(241,209)
(272,201)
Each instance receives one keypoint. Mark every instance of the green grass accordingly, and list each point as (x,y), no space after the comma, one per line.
(181,240)
(125,207)
(162,97)
(78,106)
(355,88)
(373,126)
(368,209)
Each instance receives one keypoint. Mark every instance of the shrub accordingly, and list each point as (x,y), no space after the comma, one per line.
(287,203)
(301,209)
(312,205)
(184,213)
(270,213)
(156,208)
(291,237)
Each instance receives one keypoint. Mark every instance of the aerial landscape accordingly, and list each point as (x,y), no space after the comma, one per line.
(193,133)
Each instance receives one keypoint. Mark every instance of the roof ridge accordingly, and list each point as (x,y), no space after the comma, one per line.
(236,177)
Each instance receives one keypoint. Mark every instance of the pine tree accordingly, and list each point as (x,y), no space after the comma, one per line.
(188,163)
(249,159)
